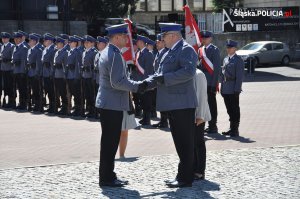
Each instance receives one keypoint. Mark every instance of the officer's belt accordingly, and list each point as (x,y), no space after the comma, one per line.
(230,79)
(5,60)
(71,66)
(58,66)
(17,62)
(32,65)
(87,68)
(46,64)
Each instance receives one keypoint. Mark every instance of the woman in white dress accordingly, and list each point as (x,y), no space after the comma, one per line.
(128,122)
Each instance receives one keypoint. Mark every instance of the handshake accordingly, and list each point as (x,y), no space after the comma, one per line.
(156,78)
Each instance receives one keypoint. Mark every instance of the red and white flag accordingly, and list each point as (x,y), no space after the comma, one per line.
(128,51)
(192,32)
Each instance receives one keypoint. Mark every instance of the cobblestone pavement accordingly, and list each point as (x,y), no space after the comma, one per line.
(266,173)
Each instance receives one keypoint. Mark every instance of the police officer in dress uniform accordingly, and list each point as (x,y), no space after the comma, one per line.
(112,99)
(6,51)
(24,37)
(88,58)
(66,43)
(212,53)
(47,70)
(231,86)
(73,75)
(19,64)
(177,96)
(160,45)
(144,63)
(34,67)
(60,62)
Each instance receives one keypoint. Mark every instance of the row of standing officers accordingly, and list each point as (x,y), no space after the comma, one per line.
(64,67)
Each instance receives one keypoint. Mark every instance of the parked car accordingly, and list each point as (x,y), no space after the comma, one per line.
(265,52)
(144,30)
(297,52)
(97,27)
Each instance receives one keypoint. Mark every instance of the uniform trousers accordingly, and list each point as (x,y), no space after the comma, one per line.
(111,124)
(199,150)
(146,101)
(232,103)
(212,103)
(1,88)
(21,84)
(182,126)
(88,90)
(61,92)
(75,91)
(34,85)
(8,84)
(49,91)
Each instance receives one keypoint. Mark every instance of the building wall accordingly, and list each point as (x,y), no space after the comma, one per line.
(271,3)
(41,27)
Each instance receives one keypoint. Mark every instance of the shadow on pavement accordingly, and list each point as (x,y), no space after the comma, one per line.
(265,74)
(120,192)
(199,190)
(131,159)
(217,136)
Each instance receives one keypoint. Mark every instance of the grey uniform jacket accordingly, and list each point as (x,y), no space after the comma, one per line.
(34,61)
(88,58)
(232,75)
(5,56)
(178,67)
(213,54)
(73,64)
(114,83)
(19,58)
(60,62)
(47,61)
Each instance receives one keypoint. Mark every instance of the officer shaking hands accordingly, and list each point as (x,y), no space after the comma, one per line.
(231,86)
(176,96)
(112,99)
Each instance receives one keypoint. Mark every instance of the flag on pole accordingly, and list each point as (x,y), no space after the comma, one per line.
(192,32)
(128,51)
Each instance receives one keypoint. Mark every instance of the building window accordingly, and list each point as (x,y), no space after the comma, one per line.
(153,5)
(198,4)
(178,5)
(166,5)
(141,5)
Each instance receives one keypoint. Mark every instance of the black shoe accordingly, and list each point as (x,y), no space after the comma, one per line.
(153,114)
(145,123)
(75,113)
(161,125)
(178,184)
(199,176)
(89,115)
(227,132)
(62,112)
(234,133)
(170,181)
(114,183)
(212,130)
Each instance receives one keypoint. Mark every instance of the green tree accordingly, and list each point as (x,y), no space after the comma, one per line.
(104,8)
(219,5)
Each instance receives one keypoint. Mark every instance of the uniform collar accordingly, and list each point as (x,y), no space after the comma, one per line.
(175,45)
(208,46)
(231,56)
(115,47)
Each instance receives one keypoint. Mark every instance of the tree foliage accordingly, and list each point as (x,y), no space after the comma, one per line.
(106,8)
(219,5)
